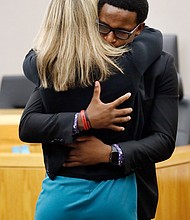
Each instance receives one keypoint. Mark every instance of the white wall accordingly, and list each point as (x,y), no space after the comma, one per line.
(20,21)
(173,17)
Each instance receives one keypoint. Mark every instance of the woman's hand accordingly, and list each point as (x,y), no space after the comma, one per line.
(103,115)
(88,150)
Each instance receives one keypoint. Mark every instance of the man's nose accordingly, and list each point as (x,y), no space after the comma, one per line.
(110,37)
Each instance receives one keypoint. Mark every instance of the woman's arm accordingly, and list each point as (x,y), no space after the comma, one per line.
(38,127)
(30,67)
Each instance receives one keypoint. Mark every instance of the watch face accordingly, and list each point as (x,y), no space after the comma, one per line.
(114,158)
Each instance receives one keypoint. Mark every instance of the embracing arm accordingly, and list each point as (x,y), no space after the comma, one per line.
(161,129)
(38,127)
(159,142)
(30,67)
(146,48)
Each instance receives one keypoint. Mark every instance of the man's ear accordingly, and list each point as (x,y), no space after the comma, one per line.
(140,29)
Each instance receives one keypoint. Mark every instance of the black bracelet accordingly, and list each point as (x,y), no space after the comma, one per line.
(87,119)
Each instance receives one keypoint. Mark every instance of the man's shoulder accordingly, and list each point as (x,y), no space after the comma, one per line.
(164,65)
(163,59)
(166,55)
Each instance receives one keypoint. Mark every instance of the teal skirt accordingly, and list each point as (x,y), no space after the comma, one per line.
(68,198)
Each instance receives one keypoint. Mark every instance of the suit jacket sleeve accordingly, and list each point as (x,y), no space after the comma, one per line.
(30,67)
(146,48)
(36,127)
(159,142)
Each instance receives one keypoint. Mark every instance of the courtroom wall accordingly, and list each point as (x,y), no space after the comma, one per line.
(20,21)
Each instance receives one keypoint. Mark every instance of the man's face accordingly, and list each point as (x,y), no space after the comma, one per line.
(121,19)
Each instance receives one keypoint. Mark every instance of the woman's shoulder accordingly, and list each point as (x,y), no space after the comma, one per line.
(30,67)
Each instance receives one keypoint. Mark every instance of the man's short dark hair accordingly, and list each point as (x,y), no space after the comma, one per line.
(139,6)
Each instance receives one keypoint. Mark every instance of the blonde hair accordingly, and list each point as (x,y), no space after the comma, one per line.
(69,47)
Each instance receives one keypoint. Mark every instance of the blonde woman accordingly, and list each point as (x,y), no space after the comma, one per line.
(89,176)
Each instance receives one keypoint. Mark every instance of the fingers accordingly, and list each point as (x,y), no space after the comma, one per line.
(83,138)
(121,120)
(97,90)
(117,128)
(72,164)
(122,112)
(121,99)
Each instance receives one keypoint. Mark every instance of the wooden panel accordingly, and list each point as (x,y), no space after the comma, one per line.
(9,137)
(19,190)
(174,191)
(174,186)
(21,160)
(21,178)
(8,148)
(22,174)
(9,121)
(11,111)
(181,155)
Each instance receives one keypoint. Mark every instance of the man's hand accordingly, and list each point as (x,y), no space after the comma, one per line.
(107,115)
(88,150)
